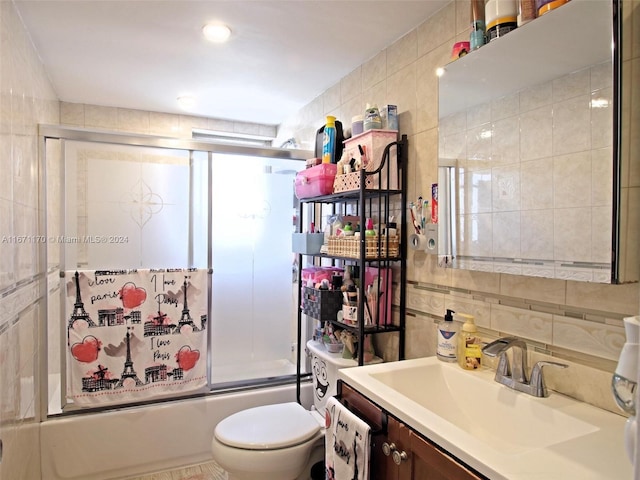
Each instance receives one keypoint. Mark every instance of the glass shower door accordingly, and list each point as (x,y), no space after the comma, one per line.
(179,205)
(253,331)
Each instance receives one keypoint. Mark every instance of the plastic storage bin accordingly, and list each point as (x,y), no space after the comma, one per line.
(307,243)
(374,142)
(315,181)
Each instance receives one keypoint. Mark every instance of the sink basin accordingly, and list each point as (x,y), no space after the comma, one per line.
(501,433)
(507,421)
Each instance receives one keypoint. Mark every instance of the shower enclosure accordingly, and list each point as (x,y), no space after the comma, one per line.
(127,202)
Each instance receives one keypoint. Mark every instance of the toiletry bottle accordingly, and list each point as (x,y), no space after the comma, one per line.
(329,141)
(447,333)
(526,11)
(372,118)
(478,26)
(469,346)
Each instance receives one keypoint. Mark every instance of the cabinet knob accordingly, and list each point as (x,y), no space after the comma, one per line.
(388,448)
(399,457)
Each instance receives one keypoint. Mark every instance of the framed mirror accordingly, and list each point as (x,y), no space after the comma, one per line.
(528,149)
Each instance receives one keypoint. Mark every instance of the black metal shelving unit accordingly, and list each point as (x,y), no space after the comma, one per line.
(365,201)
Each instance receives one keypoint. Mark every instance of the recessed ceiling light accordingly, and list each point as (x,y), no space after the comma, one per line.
(216,32)
(186,101)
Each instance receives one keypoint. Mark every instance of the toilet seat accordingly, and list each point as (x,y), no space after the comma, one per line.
(268,427)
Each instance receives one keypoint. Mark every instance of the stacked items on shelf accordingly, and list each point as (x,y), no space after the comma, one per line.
(354,197)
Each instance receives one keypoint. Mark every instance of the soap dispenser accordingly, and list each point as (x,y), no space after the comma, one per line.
(447,333)
(469,344)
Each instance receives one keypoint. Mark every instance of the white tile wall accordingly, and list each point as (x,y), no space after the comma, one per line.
(26,99)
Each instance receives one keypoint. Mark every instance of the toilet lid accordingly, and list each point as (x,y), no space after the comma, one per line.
(267,427)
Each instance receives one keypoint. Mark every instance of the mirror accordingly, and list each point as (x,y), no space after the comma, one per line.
(528,152)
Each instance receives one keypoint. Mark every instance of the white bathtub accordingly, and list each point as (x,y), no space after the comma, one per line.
(141,440)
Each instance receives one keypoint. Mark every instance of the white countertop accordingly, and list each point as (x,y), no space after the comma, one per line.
(597,453)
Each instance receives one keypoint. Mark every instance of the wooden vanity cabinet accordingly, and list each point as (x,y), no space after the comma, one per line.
(428,462)
(397,451)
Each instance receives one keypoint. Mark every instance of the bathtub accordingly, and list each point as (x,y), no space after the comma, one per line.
(141,440)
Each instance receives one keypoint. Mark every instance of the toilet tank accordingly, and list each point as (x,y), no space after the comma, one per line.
(324,371)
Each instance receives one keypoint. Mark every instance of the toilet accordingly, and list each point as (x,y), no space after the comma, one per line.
(282,441)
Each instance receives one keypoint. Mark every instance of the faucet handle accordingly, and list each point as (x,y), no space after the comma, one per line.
(537,379)
(498,348)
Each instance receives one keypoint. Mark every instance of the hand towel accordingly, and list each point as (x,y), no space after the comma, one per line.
(347,444)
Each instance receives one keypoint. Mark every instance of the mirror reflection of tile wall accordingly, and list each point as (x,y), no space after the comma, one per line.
(534,179)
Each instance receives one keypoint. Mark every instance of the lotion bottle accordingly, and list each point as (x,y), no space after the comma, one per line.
(447,333)
(469,346)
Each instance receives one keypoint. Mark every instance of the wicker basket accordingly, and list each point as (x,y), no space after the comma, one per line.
(375,247)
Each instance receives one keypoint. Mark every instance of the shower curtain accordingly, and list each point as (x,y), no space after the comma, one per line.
(134,335)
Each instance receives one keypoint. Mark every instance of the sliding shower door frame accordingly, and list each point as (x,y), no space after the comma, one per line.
(63,134)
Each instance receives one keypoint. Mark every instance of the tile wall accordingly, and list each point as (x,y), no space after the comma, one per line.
(579,323)
(26,99)
(116,119)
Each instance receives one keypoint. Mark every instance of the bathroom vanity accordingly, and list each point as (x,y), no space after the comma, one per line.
(399,452)
(433,420)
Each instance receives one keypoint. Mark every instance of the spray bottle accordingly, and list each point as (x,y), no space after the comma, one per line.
(329,141)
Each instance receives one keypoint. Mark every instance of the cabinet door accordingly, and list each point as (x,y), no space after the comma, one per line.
(375,417)
(430,463)
(391,453)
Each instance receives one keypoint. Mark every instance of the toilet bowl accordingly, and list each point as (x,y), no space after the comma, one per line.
(272,442)
(281,441)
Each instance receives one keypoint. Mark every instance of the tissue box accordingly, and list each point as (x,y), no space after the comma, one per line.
(307,243)
(315,181)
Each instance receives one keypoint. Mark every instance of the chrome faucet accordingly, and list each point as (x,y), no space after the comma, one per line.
(515,375)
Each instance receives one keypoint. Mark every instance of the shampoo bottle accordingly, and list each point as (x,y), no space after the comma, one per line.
(447,334)
(469,346)
(329,141)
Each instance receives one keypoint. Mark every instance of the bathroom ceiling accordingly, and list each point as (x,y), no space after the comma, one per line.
(143,54)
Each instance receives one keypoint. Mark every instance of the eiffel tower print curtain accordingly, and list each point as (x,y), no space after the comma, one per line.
(135,335)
